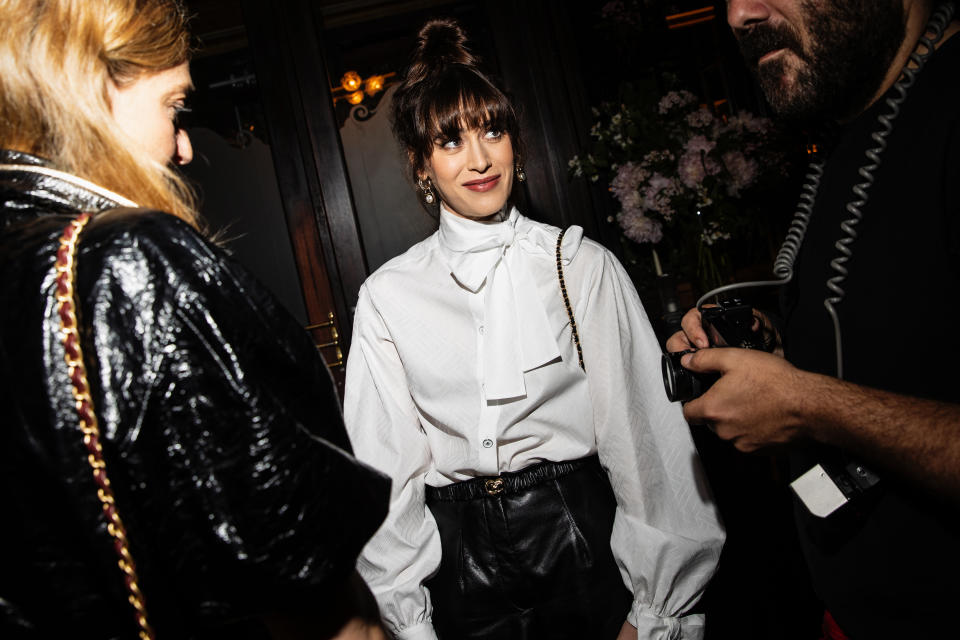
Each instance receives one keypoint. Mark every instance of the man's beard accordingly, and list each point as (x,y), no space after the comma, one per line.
(851,49)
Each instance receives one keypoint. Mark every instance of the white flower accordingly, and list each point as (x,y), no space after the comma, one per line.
(713,232)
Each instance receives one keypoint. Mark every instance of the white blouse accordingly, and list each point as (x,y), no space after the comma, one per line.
(463,365)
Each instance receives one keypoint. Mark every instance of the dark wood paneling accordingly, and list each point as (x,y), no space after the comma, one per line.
(541,70)
(309,165)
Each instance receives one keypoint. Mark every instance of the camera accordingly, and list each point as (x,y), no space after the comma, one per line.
(728,324)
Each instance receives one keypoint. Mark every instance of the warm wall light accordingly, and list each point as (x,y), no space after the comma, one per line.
(374,84)
(352,86)
(351,81)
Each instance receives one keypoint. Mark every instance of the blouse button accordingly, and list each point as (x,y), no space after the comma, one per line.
(487,443)
(480,329)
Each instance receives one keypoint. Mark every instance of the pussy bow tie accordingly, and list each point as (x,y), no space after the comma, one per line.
(492,259)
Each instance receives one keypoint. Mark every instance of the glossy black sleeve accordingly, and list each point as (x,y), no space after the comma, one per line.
(222,428)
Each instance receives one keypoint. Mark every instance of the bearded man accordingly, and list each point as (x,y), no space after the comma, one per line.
(866,403)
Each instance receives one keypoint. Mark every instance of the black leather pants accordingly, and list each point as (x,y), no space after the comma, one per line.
(527,555)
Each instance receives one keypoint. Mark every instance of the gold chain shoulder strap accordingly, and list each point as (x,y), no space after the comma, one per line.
(566,300)
(70,338)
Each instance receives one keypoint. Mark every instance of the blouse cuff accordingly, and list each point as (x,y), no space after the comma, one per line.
(652,626)
(419,631)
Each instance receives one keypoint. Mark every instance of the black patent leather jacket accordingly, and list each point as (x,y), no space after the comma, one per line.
(220,427)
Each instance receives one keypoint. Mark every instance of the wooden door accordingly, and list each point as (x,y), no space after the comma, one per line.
(310,169)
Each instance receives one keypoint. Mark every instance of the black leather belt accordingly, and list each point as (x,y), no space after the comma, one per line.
(508,482)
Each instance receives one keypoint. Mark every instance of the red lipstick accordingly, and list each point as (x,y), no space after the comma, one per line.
(483,184)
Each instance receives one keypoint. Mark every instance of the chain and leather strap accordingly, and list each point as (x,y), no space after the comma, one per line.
(566,301)
(70,338)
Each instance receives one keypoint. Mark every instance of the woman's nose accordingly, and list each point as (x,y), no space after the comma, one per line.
(479,159)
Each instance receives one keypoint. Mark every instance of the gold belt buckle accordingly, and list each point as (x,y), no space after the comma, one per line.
(493,486)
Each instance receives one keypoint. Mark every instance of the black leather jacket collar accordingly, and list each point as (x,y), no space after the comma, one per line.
(29,184)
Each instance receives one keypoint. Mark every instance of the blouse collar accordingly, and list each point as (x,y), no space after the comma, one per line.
(492,259)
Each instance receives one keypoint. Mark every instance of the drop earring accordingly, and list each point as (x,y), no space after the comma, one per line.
(521,176)
(426,188)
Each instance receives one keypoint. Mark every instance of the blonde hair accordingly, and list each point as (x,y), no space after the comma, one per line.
(57,59)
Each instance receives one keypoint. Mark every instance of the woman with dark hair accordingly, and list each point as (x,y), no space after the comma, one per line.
(506,377)
(172,459)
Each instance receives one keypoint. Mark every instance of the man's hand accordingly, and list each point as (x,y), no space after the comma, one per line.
(693,336)
(757,401)
(762,400)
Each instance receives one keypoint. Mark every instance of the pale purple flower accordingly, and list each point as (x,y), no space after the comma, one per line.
(626,184)
(691,169)
(630,200)
(658,193)
(628,179)
(700,143)
(675,99)
(696,163)
(657,187)
(700,119)
(639,227)
(743,171)
(745,121)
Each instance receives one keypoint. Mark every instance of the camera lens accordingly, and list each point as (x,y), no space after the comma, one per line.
(682,384)
(676,379)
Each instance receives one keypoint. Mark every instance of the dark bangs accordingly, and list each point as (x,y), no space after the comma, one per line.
(460,99)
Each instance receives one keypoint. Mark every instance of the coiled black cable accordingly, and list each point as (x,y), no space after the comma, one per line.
(935,27)
(786,257)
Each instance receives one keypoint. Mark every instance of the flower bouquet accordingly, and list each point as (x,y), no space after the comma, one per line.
(681,176)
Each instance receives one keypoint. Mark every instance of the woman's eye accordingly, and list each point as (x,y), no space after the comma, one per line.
(179,112)
(450,144)
(493,134)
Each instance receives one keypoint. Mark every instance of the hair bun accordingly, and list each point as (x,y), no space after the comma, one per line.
(441,42)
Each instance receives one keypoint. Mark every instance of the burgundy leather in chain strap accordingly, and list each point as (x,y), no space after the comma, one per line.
(70,338)
(566,301)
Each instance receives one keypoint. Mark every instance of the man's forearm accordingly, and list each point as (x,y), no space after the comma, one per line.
(916,438)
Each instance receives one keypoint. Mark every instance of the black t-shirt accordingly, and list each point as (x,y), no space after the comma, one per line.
(886,566)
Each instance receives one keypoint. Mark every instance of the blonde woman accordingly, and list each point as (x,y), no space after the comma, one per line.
(172,457)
